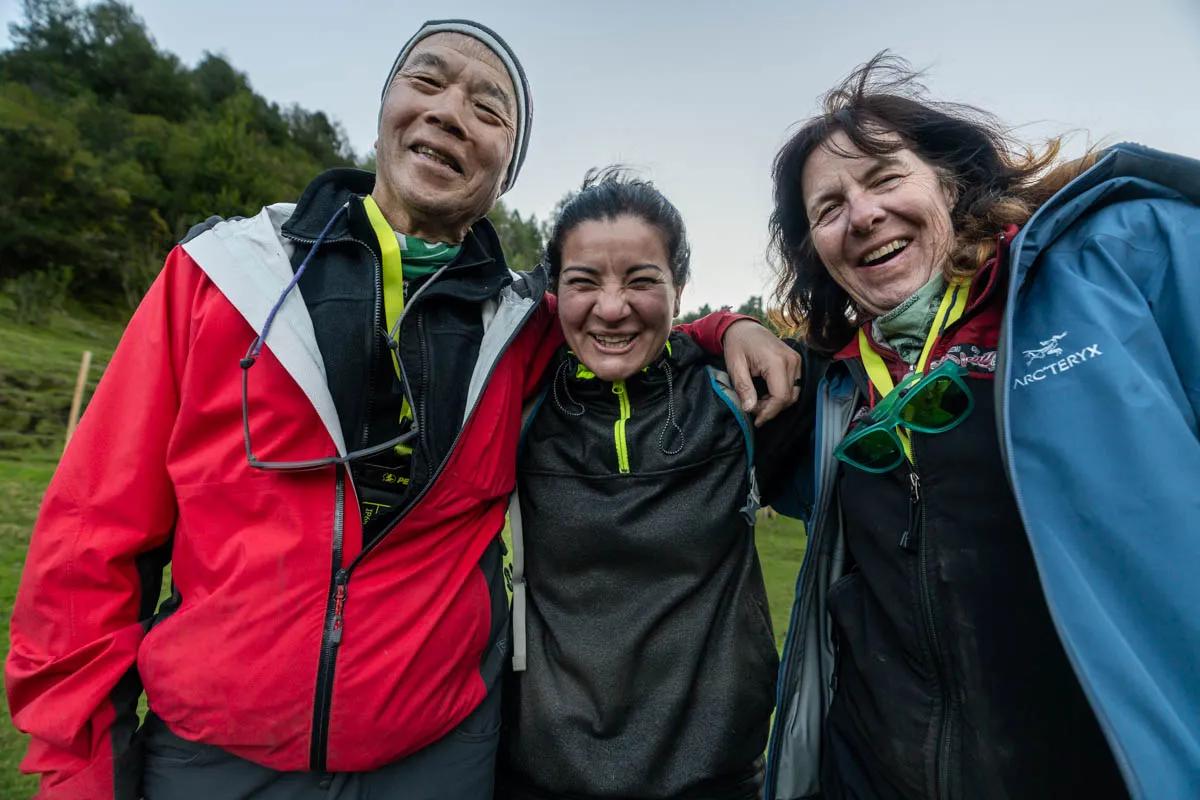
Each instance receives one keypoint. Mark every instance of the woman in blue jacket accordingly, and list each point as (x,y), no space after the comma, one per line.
(998,599)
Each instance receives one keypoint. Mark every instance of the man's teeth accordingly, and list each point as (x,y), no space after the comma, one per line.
(886,250)
(612,341)
(436,156)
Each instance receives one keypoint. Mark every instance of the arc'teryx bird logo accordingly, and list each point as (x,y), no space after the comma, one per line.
(1057,365)
(1049,348)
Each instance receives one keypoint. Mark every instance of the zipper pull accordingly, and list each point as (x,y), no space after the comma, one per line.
(914,503)
(339,603)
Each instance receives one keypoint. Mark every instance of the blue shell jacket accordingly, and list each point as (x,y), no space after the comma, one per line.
(1098,396)
(1103,451)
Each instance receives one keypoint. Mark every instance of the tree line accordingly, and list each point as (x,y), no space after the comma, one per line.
(113,148)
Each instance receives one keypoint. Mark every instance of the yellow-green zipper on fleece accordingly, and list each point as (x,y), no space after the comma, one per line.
(619,426)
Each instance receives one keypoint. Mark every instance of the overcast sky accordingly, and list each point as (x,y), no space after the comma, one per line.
(700,95)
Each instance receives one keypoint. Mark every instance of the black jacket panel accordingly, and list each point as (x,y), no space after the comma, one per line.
(951,680)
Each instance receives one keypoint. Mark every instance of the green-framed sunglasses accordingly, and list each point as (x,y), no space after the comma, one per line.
(930,403)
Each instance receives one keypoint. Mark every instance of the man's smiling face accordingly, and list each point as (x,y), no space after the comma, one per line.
(446,137)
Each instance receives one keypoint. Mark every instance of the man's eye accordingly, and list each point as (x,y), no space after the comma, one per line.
(642,283)
(887,180)
(426,80)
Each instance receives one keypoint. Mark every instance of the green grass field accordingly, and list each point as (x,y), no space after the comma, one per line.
(37,372)
(21,487)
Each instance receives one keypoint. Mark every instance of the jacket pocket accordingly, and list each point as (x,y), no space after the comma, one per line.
(170,751)
(756,621)
(840,600)
(482,724)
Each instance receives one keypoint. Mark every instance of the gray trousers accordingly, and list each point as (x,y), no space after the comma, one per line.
(460,766)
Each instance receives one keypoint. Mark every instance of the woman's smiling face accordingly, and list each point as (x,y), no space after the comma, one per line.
(880,224)
(616,294)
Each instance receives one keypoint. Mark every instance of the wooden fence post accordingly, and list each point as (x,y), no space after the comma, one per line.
(77,401)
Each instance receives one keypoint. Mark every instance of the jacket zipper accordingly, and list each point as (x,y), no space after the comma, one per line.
(914,513)
(331,638)
(422,409)
(622,393)
(917,514)
(371,359)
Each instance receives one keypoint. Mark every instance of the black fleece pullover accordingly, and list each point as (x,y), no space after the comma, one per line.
(651,659)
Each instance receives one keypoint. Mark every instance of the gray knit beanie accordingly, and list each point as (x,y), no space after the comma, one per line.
(498,46)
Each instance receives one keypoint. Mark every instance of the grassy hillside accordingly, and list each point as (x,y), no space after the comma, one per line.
(38,367)
(21,487)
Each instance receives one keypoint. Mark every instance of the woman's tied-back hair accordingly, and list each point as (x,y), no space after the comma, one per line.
(994,179)
(613,192)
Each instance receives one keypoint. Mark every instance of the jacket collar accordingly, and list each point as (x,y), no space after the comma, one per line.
(679,352)
(328,192)
(478,273)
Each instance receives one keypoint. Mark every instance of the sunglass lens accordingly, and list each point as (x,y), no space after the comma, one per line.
(937,406)
(875,451)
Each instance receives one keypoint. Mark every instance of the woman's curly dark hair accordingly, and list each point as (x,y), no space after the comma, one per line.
(996,180)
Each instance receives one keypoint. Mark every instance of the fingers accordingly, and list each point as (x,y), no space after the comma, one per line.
(768,408)
(739,372)
(753,351)
(781,370)
(780,384)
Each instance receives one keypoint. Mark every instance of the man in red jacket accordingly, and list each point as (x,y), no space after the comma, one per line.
(313,416)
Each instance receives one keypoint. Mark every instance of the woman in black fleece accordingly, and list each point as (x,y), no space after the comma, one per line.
(646,661)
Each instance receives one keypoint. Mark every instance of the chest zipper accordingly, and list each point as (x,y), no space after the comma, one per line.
(619,439)
(908,537)
(371,354)
(917,530)
(332,636)
(331,639)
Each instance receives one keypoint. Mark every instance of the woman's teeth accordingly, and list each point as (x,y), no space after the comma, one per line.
(612,341)
(880,253)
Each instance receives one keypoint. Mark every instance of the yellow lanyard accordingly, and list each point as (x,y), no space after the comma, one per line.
(393,291)
(392,269)
(954,303)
